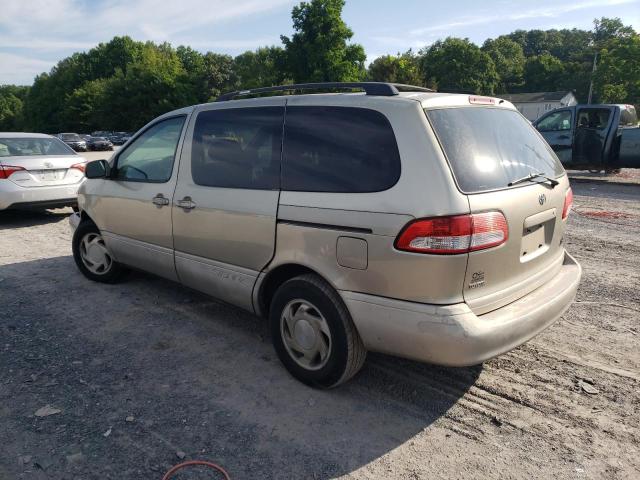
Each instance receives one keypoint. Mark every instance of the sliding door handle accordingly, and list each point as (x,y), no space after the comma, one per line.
(186,203)
(160,200)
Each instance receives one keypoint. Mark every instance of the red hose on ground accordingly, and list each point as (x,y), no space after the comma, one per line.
(204,463)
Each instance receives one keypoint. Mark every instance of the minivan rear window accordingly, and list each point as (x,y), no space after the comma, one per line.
(489,147)
(338,149)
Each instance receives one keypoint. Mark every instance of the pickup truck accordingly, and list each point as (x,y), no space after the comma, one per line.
(593,137)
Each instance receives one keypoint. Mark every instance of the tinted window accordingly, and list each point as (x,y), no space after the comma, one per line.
(594,118)
(489,147)
(238,148)
(150,157)
(555,122)
(338,149)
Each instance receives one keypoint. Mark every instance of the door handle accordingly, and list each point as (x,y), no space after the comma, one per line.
(160,200)
(186,203)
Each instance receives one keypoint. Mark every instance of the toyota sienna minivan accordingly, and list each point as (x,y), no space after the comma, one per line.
(394,219)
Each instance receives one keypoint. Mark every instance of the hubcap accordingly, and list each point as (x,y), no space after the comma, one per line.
(306,334)
(94,254)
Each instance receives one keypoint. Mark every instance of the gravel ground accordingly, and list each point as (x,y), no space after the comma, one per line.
(137,372)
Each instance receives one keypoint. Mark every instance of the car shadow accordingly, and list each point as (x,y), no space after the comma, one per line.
(12,219)
(146,368)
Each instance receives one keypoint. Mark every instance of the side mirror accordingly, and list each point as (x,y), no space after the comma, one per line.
(97,169)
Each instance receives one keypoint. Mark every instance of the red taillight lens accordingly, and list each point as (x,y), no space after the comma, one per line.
(79,166)
(568,203)
(456,234)
(7,170)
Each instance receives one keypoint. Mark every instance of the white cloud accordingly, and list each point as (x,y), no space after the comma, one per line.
(71,20)
(55,28)
(541,12)
(17,68)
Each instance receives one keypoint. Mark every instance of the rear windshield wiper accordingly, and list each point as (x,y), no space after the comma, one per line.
(532,176)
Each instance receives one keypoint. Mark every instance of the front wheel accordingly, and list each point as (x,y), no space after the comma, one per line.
(313,333)
(92,257)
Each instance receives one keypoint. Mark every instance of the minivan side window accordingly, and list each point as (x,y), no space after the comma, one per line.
(338,149)
(149,158)
(555,122)
(238,148)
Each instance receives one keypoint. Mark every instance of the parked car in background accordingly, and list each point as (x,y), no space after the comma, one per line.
(38,171)
(593,137)
(99,143)
(101,133)
(74,141)
(118,138)
(420,224)
(85,136)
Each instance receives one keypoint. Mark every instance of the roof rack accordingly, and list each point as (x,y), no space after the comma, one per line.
(370,88)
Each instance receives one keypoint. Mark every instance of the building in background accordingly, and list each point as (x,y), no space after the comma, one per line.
(534,105)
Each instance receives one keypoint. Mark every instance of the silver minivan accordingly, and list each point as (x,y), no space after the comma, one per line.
(394,219)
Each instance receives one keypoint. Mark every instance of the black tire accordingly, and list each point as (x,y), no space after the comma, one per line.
(115,272)
(347,352)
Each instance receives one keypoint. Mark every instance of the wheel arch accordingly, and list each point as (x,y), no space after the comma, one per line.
(270,281)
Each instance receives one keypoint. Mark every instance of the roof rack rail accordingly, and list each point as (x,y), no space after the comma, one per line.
(370,88)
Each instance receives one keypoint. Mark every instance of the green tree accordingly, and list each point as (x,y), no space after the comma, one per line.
(318,50)
(87,106)
(605,29)
(11,106)
(207,75)
(617,79)
(263,67)
(152,85)
(456,64)
(509,60)
(542,73)
(400,68)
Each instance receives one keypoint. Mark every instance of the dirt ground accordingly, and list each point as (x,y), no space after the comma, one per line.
(143,370)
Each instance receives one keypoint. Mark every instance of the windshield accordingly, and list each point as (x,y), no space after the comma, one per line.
(22,147)
(488,148)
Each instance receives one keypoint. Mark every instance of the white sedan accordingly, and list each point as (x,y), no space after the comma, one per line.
(38,171)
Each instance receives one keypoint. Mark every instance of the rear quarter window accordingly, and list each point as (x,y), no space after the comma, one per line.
(338,149)
(487,148)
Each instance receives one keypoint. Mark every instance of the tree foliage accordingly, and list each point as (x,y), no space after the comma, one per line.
(508,59)
(319,50)
(400,68)
(456,64)
(11,107)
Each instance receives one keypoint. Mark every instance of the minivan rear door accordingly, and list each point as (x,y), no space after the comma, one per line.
(226,200)
(495,155)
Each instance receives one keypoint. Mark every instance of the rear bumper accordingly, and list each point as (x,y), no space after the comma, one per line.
(453,335)
(14,196)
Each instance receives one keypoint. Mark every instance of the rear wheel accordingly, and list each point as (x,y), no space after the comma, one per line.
(92,257)
(313,333)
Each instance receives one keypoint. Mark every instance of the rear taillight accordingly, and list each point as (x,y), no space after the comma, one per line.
(79,166)
(455,234)
(7,170)
(568,203)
